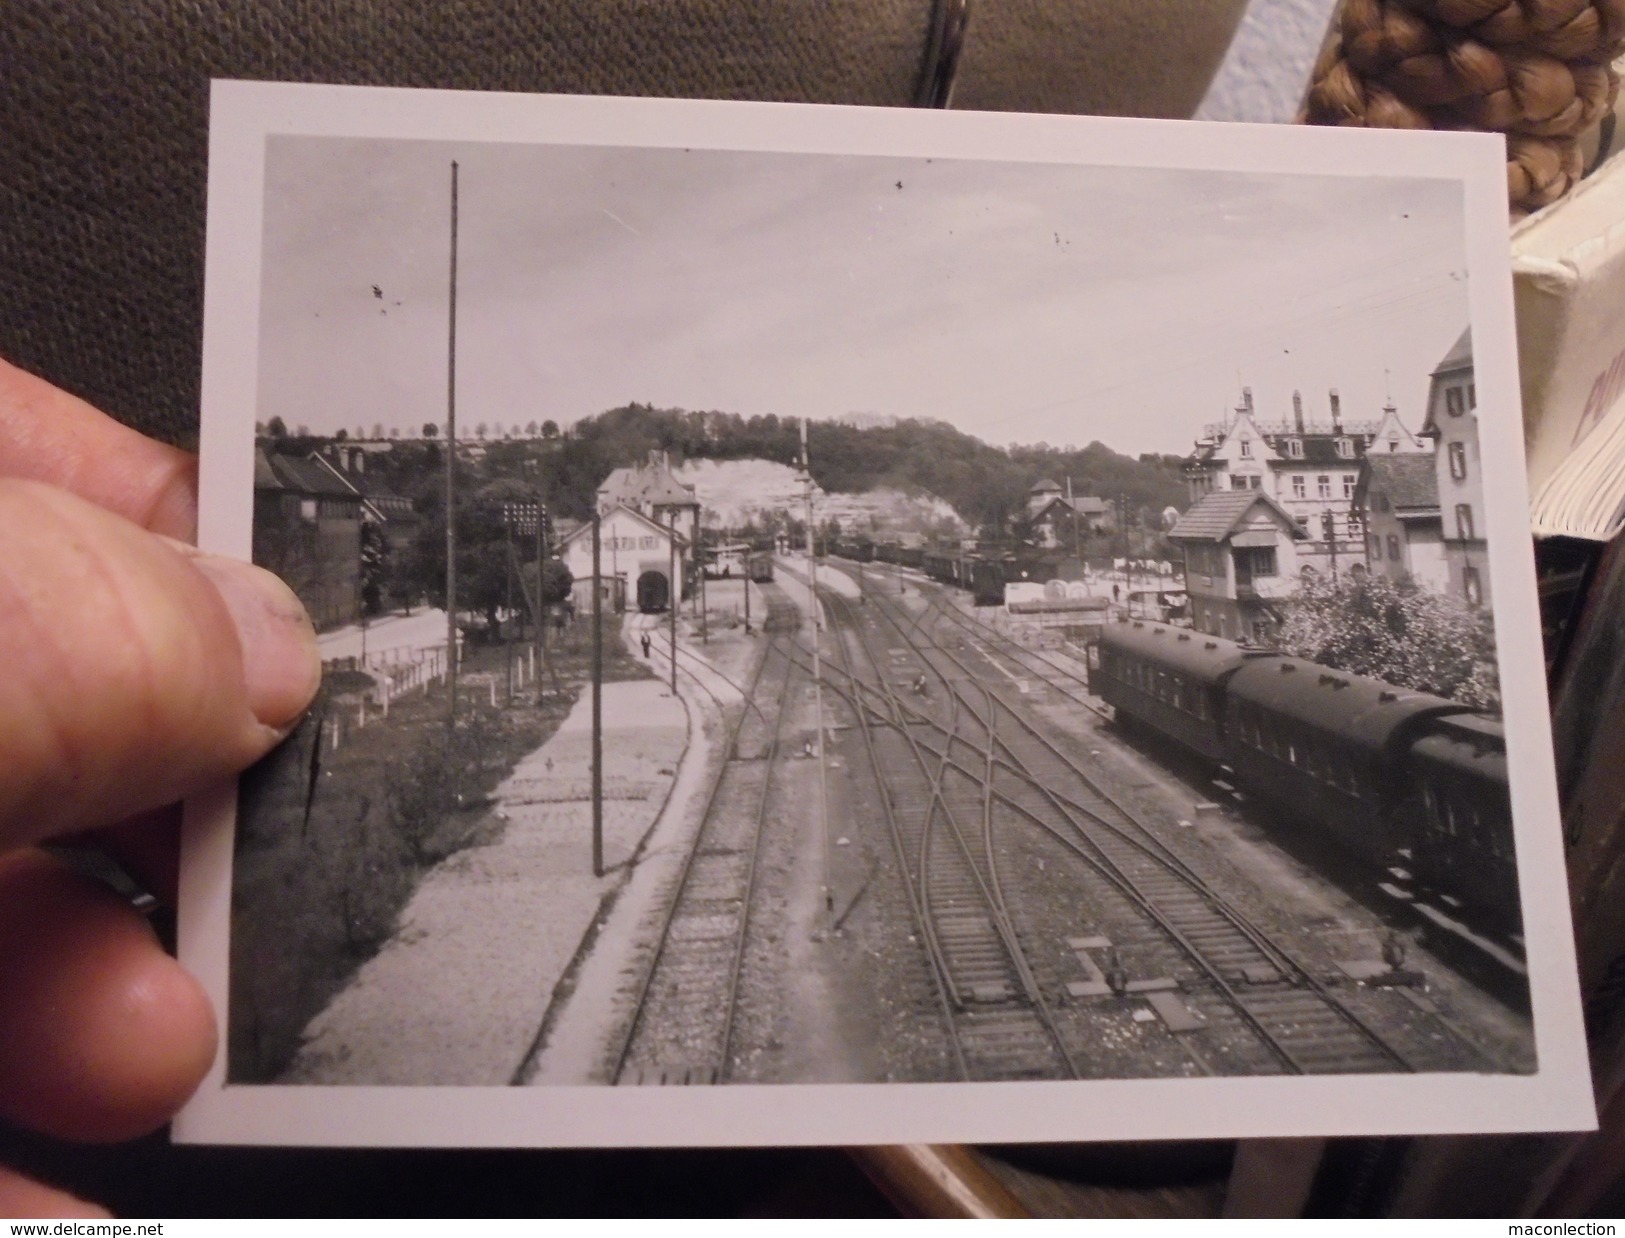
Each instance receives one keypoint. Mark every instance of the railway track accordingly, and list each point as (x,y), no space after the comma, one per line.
(1057,675)
(1233,970)
(681,1028)
(996,1015)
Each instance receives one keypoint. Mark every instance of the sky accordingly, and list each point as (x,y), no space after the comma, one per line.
(1021,303)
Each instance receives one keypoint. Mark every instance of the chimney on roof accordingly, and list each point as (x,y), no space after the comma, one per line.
(1337,411)
(1246,400)
(1297,410)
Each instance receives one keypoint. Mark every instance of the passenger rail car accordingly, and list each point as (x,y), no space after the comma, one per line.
(1332,746)
(1169,679)
(759,567)
(1379,769)
(1466,847)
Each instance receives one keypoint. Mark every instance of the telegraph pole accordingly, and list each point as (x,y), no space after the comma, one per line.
(451,474)
(597,703)
(818,678)
(538,635)
(674,600)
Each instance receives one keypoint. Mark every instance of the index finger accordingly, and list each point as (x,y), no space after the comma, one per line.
(50,436)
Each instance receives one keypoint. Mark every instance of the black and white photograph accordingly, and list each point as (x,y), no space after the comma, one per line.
(859,627)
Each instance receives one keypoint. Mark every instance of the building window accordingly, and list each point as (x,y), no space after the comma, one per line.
(1393,547)
(1256,481)
(1464,521)
(1472,586)
(1345,448)
(1348,485)
(1254,561)
(1472,395)
(1294,448)
(1323,486)
(1298,491)
(1454,403)
(1458,461)
(1356,527)
(1238,482)
(1246,449)
(1376,547)
(1393,442)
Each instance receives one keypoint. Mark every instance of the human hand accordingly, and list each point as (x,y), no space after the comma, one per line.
(136,670)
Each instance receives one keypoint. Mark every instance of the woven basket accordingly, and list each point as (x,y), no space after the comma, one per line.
(1539,71)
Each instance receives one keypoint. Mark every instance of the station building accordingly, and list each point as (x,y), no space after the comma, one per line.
(635,560)
(1309,468)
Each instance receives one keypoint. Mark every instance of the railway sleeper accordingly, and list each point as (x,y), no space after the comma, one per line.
(681,1074)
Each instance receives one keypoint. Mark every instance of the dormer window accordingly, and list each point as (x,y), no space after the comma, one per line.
(1393,442)
(1294,448)
(1345,448)
(1246,448)
(1454,402)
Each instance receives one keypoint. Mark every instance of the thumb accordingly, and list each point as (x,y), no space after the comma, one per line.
(137,668)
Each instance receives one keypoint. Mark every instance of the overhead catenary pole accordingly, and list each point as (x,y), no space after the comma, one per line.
(597,702)
(818,678)
(674,600)
(540,632)
(451,472)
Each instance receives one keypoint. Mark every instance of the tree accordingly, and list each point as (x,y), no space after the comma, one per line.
(378,429)
(530,429)
(1366,624)
(374,567)
(480,429)
(550,429)
(276,428)
(430,430)
(339,435)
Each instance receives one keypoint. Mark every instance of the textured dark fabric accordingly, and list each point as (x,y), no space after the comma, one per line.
(103,119)
(103,134)
(1094,57)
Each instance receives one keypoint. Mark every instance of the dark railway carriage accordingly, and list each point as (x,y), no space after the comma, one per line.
(985,580)
(760,567)
(654,593)
(1170,678)
(1462,843)
(941,566)
(1329,747)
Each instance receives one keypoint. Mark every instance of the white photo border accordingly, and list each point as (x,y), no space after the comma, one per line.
(1556,1097)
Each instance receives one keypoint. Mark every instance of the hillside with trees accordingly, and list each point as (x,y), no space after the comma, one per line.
(986,485)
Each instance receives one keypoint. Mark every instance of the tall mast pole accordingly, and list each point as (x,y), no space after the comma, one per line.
(675,600)
(818,678)
(597,697)
(451,473)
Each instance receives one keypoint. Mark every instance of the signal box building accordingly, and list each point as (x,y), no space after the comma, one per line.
(1242,554)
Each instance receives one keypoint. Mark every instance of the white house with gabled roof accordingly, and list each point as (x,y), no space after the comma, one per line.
(635,558)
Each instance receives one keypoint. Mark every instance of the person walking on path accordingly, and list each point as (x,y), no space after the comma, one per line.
(646,646)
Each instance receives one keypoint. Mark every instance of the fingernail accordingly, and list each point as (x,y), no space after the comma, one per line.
(280,659)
